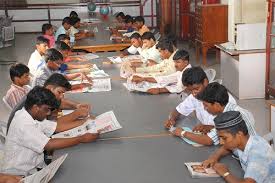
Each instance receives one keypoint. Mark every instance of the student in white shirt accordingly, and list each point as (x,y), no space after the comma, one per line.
(36,57)
(171,83)
(136,45)
(74,29)
(29,134)
(195,81)
(64,28)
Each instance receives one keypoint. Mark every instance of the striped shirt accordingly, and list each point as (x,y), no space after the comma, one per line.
(15,94)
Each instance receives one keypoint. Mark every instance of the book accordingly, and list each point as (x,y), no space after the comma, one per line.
(185,139)
(47,173)
(103,123)
(197,170)
(98,85)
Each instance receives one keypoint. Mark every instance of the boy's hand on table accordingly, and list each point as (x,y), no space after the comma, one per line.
(82,112)
(168,123)
(89,137)
(137,79)
(220,168)
(9,178)
(153,91)
(84,106)
(210,162)
(177,132)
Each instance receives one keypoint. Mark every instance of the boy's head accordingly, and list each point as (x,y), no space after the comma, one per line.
(73,14)
(42,44)
(66,23)
(129,21)
(62,48)
(195,80)
(65,38)
(75,21)
(19,74)
(139,22)
(58,85)
(40,102)
(53,58)
(136,40)
(170,37)
(231,129)
(165,48)
(120,17)
(148,40)
(214,98)
(47,29)
(181,59)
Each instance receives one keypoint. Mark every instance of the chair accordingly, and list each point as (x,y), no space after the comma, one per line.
(211,74)
(7,104)
(270,138)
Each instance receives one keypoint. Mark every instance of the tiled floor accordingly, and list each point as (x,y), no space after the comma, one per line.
(24,46)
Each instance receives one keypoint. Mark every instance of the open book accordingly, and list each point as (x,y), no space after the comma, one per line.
(185,139)
(47,173)
(103,123)
(99,85)
(198,171)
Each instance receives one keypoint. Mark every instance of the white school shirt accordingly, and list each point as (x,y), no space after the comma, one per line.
(25,142)
(172,82)
(191,104)
(151,54)
(34,61)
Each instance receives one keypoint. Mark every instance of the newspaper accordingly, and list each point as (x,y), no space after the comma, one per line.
(92,69)
(98,74)
(99,85)
(115,59)
(103,123)
(89,56)
(198,171)
(141,87)
(47,173)
(185,139)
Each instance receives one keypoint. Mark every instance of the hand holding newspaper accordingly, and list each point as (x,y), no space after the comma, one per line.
(47,173)
(99,85)
(197,170)
(103,123)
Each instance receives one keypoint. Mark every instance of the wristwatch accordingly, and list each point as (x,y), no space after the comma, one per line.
(182,133)
(225,174)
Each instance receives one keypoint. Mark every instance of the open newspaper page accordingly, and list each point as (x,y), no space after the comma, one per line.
(197,170)
(47,173)
(99,85)
(103,123)
(86,70)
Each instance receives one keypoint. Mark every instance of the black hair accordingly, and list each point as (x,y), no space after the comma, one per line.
(135,36)
(66,20)
(41,96)
(58,80)
(52,55)
(181,54)
(165,45)
(41,40)
(120,14)
(148,36)
(18,70)
(170,37)
(73,14)
(61,46)
(46,27)
(129,19)
(139,19)
(194,75)
(74,20)
(214,92)
(63,37)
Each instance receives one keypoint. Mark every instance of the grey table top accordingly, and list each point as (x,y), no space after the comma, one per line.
(137,160)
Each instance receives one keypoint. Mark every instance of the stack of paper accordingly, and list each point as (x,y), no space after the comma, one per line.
(197,170)
(103,123)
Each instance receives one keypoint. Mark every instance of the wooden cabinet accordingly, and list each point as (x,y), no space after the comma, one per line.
(211,24)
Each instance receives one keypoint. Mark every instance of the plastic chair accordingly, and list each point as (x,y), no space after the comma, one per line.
(217,80)
(211,74)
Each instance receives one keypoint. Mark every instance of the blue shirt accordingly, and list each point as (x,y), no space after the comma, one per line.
(62,30)
(258,160)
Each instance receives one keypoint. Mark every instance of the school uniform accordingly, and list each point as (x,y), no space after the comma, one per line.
(41,75)
(150,54)
(25,143)
(34,61)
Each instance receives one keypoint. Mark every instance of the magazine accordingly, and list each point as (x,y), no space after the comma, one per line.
(185,139)
(197,170)
(103,123)
(47,173)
